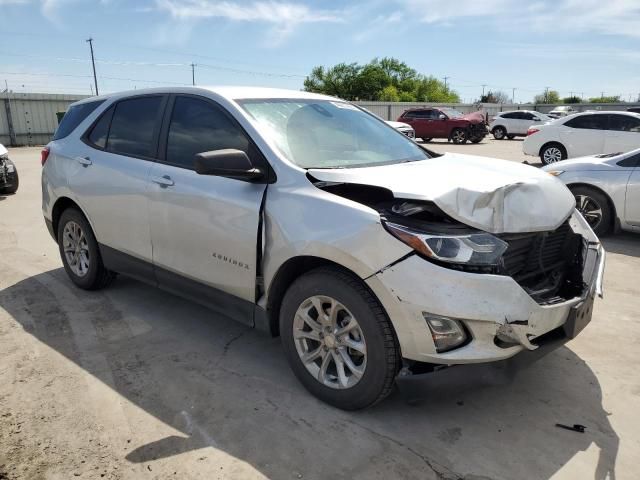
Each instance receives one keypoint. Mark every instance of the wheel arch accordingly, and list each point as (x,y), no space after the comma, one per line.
(615,221)
(553,142)
(293,269)
(62,204)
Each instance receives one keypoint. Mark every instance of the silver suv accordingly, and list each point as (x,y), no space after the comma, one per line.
(307,217)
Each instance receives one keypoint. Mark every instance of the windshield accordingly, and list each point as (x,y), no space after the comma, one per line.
(330,134)
(452,112)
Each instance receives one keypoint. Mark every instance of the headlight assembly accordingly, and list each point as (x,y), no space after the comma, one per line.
(478,248)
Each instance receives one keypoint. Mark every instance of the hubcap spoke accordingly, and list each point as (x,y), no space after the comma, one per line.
(75,248)
(357,371)
(354,345)
(342,376)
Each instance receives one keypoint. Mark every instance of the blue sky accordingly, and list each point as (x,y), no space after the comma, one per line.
(580,46)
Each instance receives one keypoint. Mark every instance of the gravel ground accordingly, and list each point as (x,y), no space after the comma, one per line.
(135,383)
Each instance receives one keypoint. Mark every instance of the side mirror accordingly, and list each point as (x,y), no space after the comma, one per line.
(442,116)
(229,163)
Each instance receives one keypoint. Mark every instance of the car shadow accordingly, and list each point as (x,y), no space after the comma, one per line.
(224,386)
(624,243)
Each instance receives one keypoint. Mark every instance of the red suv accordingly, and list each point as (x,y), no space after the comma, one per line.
(437,122)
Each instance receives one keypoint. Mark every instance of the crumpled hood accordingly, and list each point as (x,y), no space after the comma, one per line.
(496,196)
(474,117)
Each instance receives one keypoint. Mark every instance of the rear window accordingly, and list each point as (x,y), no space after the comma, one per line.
(74,117)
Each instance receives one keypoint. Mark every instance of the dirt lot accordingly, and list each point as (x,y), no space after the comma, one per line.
(132,382)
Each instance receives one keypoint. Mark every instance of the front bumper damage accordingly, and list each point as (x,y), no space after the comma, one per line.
(508,329)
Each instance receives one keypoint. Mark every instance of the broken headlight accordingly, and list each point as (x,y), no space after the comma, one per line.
(477,248)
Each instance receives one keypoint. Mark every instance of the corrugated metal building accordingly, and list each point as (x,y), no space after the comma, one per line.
(30,118)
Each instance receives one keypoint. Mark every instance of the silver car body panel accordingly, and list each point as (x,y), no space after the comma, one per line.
(621,184)
(490,194)
(207,216)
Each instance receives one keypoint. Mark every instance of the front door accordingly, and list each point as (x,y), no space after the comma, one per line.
(204,229)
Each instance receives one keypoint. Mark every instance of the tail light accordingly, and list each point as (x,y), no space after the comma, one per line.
(44,154)
(531,131)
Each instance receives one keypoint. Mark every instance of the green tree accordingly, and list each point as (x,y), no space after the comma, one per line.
(612,99)
(573,99)
(549,96)
(389,94)
(495,97)
(372,81)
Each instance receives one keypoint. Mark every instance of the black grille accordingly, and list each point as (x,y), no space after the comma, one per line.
(542,262)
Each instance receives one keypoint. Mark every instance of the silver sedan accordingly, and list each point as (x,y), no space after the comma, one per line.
(606,188)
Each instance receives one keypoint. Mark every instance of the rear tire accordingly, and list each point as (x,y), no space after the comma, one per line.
(552,153)
(458,136)
(511,137)
(426,140)
(80,252)
(306,332)
(595,209)
(477,139)
(499,133)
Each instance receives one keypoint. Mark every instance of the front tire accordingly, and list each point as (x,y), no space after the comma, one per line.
(80,253)
(426,139)
(499,133)
(338,339)
(458,136)
(595,209)
(552,153)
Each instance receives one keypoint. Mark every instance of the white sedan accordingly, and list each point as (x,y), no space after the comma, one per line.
(588,133)
(515,123)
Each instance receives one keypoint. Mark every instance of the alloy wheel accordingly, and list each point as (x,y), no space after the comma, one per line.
(330,342)
(76,248)
(458,136)
(590,210)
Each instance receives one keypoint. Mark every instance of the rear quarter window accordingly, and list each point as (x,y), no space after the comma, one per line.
(74,117)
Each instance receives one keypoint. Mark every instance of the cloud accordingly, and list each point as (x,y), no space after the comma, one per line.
(610,17)
(284,17)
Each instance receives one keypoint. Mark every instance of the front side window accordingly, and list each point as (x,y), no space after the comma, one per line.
(588,122)
(624,123)
(329,134)
(134,125)
(74,117)
(198,126)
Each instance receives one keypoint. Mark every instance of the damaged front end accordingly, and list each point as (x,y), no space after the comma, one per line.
(467,296)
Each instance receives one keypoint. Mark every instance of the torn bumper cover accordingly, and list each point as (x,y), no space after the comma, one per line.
(500,318)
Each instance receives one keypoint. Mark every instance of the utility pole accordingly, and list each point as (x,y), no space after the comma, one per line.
(445,82)
(513,95)
(93,64)
(91,87)
(193,74)
(483,89)
(546,94)
(602,96)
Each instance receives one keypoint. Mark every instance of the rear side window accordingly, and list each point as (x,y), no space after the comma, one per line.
(198,126)
(624,123)
(100,131)
(512,115)
(588,122)
(633,161)
(134,125)
(74,117)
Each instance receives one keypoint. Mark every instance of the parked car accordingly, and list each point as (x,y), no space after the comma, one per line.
(430,123)
(404,128)
(515,123)
(304,216)
(9,180)
(634,109)
(606,188)
(562,111)
(581,134)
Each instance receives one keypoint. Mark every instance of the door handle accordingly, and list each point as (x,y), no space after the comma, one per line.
(84,161)
(164,181)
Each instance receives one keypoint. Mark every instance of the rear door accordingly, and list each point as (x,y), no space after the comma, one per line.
(527,120)
(584,134)
(110,179)
(623,133)
(204,229)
